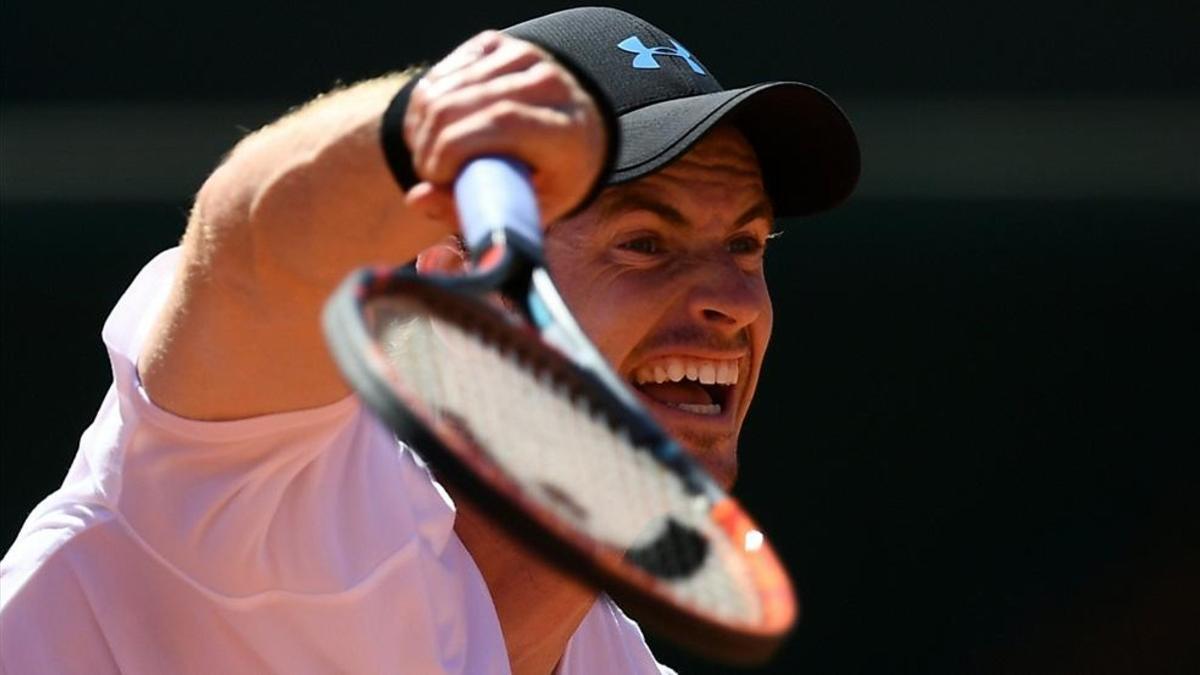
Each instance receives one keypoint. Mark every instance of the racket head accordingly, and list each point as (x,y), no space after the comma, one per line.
(734,604)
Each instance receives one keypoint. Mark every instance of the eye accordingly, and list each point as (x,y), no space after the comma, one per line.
(746,244)
(645,245)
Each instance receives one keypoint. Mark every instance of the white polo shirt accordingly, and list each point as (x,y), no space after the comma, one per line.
(301,542)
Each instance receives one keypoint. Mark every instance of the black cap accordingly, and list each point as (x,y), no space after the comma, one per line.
(666,99)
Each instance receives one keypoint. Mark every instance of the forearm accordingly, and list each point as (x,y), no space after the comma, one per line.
(301,202)
(294,207)
(306,198)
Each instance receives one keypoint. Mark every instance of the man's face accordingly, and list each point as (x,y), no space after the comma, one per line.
(665,274)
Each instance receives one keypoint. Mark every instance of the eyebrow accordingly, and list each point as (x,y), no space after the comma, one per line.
(640,201)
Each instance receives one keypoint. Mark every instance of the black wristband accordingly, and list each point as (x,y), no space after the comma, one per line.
(391,134)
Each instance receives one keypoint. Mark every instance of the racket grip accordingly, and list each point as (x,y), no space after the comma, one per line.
(495,199)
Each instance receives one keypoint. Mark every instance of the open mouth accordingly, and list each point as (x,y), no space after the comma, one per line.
(692,385)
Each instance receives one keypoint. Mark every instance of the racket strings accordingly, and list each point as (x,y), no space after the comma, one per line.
(564,454)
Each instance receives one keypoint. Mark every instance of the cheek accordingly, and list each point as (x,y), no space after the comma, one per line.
(597,296)
(613,309)
(616,307)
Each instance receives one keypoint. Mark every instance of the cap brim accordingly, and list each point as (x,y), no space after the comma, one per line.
(806,146)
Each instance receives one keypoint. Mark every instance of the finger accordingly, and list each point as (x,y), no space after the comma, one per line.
(507,56)
(540,85)
(545,139)
(434,202)
(506,127)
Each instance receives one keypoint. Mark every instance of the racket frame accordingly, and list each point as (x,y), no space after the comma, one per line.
(458,460)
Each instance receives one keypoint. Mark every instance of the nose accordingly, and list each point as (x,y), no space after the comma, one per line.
(727,298)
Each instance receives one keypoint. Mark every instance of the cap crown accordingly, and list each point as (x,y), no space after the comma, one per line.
(666,100)
(634,62)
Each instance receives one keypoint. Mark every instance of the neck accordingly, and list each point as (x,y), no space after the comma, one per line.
(539,607)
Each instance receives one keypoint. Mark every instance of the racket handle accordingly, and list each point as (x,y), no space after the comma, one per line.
(494,198)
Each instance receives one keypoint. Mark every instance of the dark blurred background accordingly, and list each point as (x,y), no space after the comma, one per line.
(973,442)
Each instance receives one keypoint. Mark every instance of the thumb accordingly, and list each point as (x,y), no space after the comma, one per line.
(434,202)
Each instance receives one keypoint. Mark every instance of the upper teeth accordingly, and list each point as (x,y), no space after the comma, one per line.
(675,369)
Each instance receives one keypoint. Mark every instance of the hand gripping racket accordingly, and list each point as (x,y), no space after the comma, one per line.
(511,402)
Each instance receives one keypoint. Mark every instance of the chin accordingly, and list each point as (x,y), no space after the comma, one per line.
(716,453)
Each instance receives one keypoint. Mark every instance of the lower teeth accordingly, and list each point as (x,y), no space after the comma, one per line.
(698,408)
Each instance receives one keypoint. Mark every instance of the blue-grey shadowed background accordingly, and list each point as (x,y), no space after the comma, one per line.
(973,439)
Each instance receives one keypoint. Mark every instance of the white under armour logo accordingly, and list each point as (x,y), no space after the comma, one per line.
(645,55)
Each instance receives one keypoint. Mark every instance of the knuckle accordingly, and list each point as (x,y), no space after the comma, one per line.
(551,78)
(523,48)
(436,112)
(419,97)
(486,38)
(521,56)
(420,100)
(506,112)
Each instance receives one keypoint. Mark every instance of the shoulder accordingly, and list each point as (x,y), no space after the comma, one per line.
(47,619)
(53,525)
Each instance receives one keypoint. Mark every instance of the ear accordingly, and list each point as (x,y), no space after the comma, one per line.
(445,257)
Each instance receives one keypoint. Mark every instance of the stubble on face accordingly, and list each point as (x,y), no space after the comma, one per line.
(634,308)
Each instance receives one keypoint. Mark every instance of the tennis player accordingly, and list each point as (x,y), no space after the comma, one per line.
(233,509)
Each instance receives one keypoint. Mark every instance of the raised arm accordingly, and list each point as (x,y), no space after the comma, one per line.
(299,203)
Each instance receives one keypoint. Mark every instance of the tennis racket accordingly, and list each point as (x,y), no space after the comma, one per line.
(511,402)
